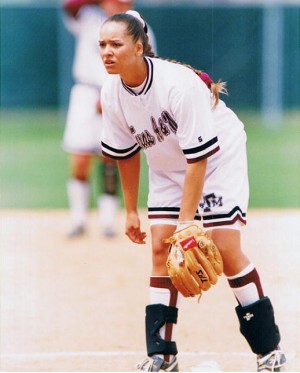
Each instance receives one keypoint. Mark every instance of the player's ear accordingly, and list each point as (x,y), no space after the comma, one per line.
(139,48)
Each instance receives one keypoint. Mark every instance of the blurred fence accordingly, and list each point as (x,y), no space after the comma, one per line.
(229,41)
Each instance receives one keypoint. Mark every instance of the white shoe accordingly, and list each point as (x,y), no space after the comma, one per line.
(76,231)
(109,232)
(272,362)
(157,364)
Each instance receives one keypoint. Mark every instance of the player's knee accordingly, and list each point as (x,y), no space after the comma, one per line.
(80,174)
(80,167)
(159,248)
(159,258)
(229,244)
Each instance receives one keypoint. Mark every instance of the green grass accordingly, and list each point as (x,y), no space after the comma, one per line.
(34,168)
(273,161)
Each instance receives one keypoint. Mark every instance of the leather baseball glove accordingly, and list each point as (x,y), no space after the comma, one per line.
(194,262)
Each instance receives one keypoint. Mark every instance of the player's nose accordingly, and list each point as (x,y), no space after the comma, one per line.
(106,50)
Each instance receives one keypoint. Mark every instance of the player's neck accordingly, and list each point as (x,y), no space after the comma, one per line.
(136,75)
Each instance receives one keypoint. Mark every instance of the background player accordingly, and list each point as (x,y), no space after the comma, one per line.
(196,151)
(83,126)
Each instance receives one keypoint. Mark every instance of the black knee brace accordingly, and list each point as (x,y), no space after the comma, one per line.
(156,316)
(257,324)
(110,178)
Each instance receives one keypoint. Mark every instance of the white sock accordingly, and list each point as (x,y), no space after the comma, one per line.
(108,206)
(78,195)
(248,293)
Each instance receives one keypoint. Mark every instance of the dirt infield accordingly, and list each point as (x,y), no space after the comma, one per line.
(78,305)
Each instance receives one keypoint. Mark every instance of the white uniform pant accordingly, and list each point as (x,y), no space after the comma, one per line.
(82,133)
(225,196)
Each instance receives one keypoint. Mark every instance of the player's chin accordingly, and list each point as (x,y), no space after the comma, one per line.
(111,69)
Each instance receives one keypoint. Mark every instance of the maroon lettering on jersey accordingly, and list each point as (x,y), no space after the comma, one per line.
(158,132)
(166,117)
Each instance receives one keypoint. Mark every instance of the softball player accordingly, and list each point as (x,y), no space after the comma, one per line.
(196,152)
(84,120)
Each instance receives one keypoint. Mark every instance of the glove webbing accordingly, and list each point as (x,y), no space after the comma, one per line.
(156,316)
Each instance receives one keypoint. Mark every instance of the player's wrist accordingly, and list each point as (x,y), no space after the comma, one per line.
(184,224)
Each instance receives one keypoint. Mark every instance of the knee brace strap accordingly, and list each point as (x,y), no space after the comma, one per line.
(257,324)
(110,178)
(156,316)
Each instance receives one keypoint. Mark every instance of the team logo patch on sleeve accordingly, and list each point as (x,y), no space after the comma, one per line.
(188,243)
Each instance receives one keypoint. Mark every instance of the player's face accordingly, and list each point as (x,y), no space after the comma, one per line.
(118,51)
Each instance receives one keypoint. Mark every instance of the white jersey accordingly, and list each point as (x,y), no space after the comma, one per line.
(82,133)
(157,119)
(87,66)
(83,126)
(172,120)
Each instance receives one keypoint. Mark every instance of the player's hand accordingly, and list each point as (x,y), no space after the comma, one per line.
(98,107)
(72,6)
(133,230)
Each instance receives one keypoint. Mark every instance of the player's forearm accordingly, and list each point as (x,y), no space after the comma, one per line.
(192,191)
(130,177)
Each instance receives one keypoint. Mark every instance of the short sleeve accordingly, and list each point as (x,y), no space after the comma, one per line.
(193,113)
(117,140)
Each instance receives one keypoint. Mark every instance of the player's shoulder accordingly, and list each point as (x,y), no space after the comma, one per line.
(174,72)
(170,65)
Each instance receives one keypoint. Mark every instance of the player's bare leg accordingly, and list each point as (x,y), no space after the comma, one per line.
(78,189)
(255,311)
(160,250)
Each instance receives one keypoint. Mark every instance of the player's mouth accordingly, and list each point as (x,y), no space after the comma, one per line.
(108,63)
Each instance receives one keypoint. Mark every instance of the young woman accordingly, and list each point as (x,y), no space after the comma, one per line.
(83,126)
(196,153)
(83,18)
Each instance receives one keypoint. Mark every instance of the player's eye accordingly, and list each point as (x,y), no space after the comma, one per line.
(116,45)
(101,44)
